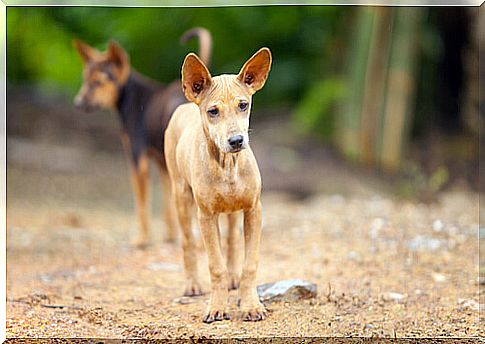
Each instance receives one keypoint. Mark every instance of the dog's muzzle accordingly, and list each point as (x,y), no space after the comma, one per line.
(80,104)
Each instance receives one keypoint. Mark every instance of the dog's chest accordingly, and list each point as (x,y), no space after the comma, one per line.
(230,189)
(230,197)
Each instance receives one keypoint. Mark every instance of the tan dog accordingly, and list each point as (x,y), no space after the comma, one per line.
(211,164)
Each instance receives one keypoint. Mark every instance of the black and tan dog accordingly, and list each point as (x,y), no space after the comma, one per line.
(144,107)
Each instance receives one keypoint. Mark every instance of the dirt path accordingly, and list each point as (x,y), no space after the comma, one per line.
(383,267)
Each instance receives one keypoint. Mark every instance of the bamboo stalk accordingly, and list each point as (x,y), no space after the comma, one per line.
(400,87)
(375,81)
(348,120)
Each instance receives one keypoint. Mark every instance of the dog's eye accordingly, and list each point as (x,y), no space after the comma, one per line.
(97,83)
(243,106)
(213,112)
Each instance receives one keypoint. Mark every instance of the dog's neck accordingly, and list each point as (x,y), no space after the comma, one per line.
(134,95)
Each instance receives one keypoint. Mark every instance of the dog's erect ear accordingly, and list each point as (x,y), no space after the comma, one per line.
(255,71)
(195,77)
(85,51)
(119,57)
(117,54)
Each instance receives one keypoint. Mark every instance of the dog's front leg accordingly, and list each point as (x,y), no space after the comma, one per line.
(233,250)
(252,309)
(218,272)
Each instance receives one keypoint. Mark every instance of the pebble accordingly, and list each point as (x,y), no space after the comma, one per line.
(467,304)
(287,290)
(376,226)
(438,226)
(353,255)
(391,296)
(438,278)
(424,243)
(184,300)
(163,266)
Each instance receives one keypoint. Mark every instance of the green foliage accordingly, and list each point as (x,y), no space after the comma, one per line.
(315,112)
(319,53)
(416,183)
(40,50)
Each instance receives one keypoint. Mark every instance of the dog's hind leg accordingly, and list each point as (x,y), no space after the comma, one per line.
(233,250)
(140,181)
(184,204)
(168,211)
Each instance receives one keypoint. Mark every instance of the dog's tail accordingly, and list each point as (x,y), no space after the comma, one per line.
(205,42)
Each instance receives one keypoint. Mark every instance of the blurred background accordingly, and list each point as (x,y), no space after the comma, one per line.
(387,94)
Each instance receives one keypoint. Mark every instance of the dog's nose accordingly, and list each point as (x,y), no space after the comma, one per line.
(236,141)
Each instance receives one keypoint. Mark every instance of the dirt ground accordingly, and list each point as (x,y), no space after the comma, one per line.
(383,266)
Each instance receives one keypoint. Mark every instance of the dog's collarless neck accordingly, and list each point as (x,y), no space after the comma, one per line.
(226,161)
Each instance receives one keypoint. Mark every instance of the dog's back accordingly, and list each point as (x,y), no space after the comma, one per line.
(166,99)
(185,122)
(158,114)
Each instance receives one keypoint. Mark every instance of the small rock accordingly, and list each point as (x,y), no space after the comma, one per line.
(423,243)
(376,226)
(184,300)
(46,278)
(438,278)
(353,255)
(466,304)
(391,296)
(288,290)
(163,266)
(438,226)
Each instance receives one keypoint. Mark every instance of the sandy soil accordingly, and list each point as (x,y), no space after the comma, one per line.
(383,266)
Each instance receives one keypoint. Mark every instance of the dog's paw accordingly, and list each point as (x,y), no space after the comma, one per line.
(170,240)
(170,237)
(141,242)
(254,313)
(193,289)
(215,315)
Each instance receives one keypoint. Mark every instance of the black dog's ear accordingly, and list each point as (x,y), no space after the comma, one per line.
(119,57)
(86,52)
(117,54)
(255,71)
(195,77)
